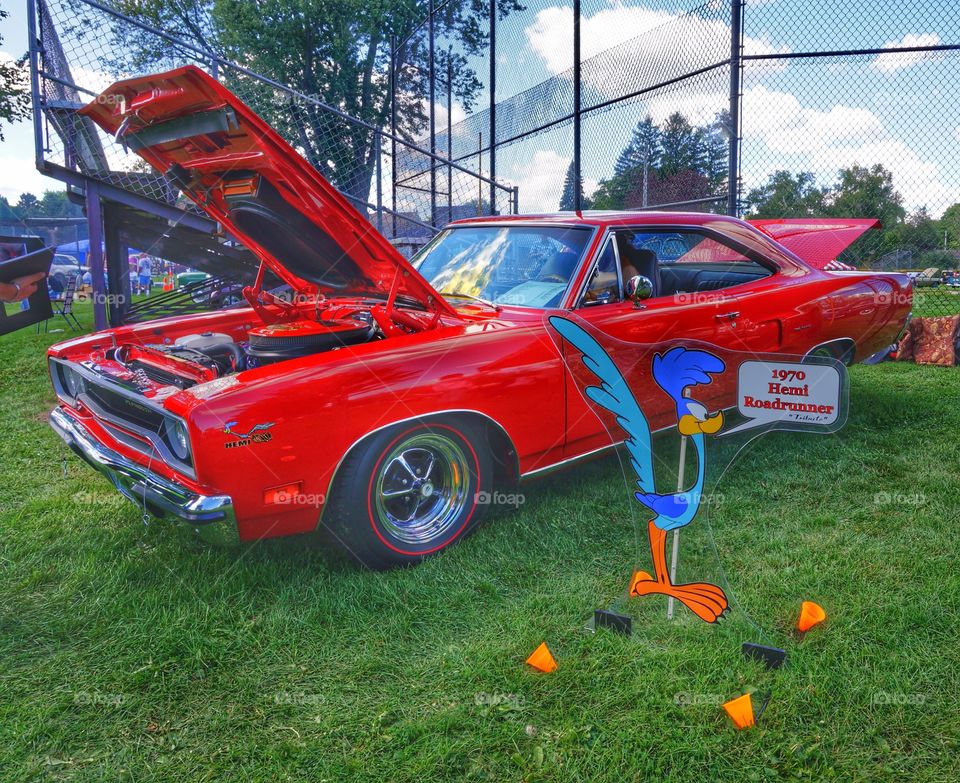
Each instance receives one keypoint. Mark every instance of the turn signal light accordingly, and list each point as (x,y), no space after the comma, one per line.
(282,495)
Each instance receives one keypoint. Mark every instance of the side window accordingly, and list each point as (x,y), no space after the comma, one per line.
(689,261)
(604,285)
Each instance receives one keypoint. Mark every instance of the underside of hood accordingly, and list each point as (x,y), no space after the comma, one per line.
(236,168)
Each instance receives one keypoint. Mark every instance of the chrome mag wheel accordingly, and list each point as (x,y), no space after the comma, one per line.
(422,488)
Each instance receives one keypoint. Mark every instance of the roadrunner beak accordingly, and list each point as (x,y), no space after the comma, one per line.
(713,424)
(691,425)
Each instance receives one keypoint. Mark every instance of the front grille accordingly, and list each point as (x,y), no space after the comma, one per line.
(124,408)
(130,419)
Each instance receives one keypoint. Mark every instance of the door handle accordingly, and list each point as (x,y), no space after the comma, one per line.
(731,316)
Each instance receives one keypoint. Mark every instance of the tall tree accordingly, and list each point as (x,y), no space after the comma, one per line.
(787,195)
(14,97)
(644,148)
(868,192)
(567,201)
(715,146)
(949,226)
(682,146)
(28,205)
(334,50)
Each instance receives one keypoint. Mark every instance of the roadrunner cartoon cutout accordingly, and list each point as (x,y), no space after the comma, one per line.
(675,371)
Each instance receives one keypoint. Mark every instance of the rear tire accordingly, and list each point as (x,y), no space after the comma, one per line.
(409,491)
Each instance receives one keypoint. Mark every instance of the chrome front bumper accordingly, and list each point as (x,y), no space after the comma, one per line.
(211,515)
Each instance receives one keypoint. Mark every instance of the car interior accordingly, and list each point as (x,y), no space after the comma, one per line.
(687,262)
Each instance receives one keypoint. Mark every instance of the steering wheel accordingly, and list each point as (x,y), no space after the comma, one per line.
(552,278)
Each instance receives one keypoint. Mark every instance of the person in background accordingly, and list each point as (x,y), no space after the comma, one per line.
(21,288)
(145,270)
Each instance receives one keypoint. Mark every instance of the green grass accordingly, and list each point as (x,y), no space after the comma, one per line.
(931,302)
(135,653)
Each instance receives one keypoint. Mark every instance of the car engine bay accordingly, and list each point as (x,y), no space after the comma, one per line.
(157,365)
(205,356)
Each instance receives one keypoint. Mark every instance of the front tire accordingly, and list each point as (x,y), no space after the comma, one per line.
(409,492)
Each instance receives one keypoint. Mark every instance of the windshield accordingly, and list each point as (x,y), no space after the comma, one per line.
(525,266)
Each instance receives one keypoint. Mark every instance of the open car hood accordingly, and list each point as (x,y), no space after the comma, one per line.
(244,175)
(818,241)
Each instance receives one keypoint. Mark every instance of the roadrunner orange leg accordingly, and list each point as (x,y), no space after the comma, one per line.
(706,601)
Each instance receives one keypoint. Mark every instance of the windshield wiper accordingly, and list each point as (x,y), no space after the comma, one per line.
(460,295)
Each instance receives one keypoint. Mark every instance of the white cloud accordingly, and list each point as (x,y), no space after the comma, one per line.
(551,33)
(541,180)
(20,175)
(891,63)
(441,113)
(787,127)
(824,141)
(691,42)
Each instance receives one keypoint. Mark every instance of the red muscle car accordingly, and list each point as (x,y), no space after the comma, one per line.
(385,399)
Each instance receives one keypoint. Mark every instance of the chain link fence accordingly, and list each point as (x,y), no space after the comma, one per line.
(83,46)
(763,109)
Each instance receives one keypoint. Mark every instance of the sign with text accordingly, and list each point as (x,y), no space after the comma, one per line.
(811,395)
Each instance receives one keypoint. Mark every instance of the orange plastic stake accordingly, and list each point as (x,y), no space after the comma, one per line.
(542,659)
(811,614)
(740,711)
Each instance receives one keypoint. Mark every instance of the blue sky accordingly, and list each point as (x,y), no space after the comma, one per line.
(899,110)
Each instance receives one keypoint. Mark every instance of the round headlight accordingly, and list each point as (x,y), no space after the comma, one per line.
(178,439)
(72,382)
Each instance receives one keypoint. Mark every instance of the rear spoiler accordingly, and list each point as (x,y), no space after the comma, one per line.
(818,241)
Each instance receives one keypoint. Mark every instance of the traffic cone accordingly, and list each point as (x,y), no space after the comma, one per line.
(740,711)
(811,614)
(542,659)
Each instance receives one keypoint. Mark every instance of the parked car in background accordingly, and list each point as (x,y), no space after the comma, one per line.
(64,269)
(190,277)
(385,399)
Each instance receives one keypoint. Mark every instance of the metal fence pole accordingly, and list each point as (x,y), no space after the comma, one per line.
(449,133)
(493,107)
(577,180)
(736,69)
(377,141)
(95,255)
(35,80)
(393,132)
(433,115)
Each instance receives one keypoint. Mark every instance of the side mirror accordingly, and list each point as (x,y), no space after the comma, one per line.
(639,288)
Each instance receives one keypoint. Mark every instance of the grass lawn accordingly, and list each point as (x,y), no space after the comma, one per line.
(135,653)
(930,302)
